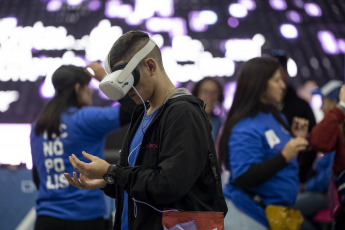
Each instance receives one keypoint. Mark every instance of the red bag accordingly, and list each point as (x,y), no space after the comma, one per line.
(204,220)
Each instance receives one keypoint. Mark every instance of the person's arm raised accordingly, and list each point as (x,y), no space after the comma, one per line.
(96,70)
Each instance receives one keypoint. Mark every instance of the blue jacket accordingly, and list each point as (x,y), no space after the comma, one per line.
(254,140)
(83,129)
(320,182)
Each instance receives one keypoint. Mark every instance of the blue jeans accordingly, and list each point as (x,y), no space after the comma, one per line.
(238,220)
(310,203)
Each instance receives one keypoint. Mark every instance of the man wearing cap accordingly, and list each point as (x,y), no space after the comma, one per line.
(328,135)
(313,193)
(330,94)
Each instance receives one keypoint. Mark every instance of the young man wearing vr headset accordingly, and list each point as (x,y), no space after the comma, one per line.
(168,158)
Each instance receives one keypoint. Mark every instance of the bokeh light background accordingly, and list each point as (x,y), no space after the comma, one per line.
(198,38)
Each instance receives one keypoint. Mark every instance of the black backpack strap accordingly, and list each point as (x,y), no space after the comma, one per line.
(212,157)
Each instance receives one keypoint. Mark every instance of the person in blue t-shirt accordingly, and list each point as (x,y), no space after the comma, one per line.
(258,148)
(69,124)
(210,91)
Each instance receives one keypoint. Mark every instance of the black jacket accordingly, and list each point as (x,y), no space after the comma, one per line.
(173,168)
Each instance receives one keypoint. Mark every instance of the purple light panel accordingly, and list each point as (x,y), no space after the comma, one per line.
(278,4)
(299,3)
(114,9)
(289,31)
(174,26)
(74,2)
(46,91)
(233,22)
(294,16)
(237,10)
(94,5)
(166,8)
(313,10)
(341,45)
(208,17)
(229,93)
(199,20)
(195,23)
(54,5)
(8,24)
(111,9)
(328,42)
(248,4)
(133,20)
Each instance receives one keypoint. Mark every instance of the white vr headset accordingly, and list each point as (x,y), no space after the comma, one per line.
(122,77)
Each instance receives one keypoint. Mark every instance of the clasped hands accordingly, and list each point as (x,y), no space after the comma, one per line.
(91,174)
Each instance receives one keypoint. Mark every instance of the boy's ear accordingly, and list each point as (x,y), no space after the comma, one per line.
(151,64)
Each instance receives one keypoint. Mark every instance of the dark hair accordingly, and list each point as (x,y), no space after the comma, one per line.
(129,44)
(196,88)
(251,84)
(281,56)
(64,80)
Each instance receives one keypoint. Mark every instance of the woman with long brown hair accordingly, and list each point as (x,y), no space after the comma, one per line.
(69,124)
(257,147)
